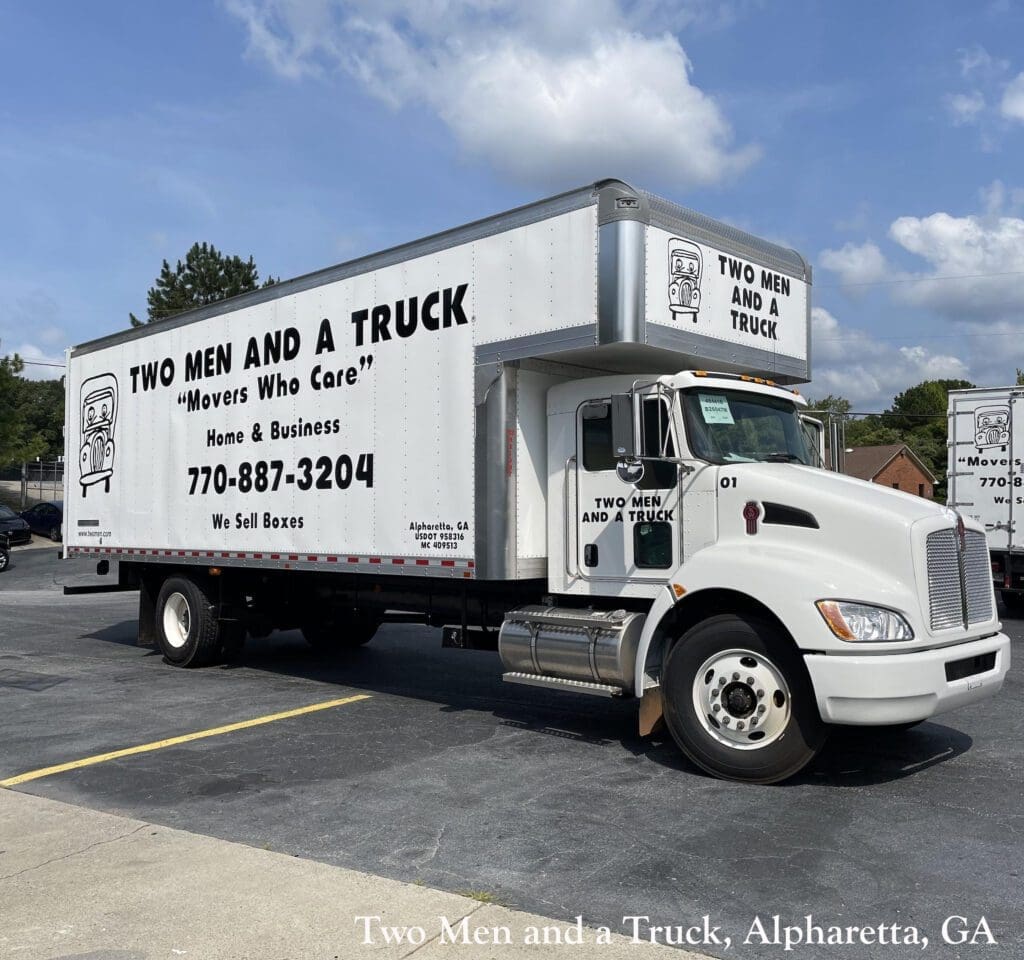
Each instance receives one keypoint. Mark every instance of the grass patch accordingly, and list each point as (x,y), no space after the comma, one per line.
(481,896)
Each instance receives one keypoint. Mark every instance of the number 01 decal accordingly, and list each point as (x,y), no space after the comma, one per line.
(726,482)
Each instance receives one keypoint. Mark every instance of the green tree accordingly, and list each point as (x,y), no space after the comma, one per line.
(1020,377)
(919,413)
(18,440)
(837,406)
(205,277)
(924,401)
(42,403)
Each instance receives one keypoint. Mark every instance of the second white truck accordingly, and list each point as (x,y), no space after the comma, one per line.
(986,477)
(511,429)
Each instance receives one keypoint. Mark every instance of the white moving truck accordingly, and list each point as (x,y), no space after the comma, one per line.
(510,429)
(986,477)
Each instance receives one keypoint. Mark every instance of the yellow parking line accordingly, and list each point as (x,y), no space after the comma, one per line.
(174,741)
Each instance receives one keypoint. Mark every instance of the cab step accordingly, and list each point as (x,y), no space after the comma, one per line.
(569,686)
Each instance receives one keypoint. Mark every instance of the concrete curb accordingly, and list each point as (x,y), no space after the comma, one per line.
(77,882)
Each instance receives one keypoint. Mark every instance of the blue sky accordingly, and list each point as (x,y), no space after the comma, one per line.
(882,140)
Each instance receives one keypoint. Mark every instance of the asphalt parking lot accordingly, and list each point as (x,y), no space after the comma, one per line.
(548,802)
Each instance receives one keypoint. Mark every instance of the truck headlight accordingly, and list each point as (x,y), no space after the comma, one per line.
(860,623)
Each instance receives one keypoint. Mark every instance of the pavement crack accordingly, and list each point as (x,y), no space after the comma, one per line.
(437,846)
(437,936)
(75,853)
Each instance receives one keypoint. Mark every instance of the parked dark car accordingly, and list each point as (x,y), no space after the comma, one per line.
(46,519)
(16,529)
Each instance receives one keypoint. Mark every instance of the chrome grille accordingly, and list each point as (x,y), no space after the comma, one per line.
(978,578)
(945,593)
(944,597)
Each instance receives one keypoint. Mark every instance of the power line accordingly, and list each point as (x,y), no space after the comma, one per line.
(886,283)
(42,363)
(918,336)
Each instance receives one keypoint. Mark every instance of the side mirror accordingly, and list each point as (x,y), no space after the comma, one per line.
(623,432)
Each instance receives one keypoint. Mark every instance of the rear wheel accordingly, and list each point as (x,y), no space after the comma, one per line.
(5,559)
(738,701)
(186,629)
(341,632)
(55,534)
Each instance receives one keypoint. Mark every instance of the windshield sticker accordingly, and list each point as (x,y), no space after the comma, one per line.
(715,409)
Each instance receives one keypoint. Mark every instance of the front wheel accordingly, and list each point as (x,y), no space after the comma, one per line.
(739,702)
(5,559)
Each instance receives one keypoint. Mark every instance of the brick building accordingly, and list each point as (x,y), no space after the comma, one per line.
(892,465)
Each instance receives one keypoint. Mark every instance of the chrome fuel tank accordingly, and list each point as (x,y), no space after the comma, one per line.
(598,646)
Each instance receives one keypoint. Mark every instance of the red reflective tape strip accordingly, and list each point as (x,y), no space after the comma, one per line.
(397,560)
(332,559)
(374,559)
(471,564)
(293,556)
(311,557)
(353,559)
(447,563)
(257,556)
(422,563)
(275,556)
(240,556)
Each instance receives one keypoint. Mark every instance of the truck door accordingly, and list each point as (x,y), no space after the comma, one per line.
(626,530)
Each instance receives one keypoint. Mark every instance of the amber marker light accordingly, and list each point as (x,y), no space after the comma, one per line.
(836,623)
(678,589)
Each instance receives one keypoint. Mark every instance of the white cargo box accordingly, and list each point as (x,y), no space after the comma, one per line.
(986,451)
(388,414)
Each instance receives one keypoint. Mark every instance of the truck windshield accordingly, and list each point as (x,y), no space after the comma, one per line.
(733,426)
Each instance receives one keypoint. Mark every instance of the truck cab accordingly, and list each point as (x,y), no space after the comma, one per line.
(775,598)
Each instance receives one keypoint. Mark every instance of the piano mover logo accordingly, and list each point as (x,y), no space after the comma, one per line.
(99,414)
(684,273)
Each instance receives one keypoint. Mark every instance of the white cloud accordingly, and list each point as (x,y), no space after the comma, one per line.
(975,263)
(965,107)
(1012,105)
(850,363)
(547,94)
(39,364)
(977,62)
(856,263)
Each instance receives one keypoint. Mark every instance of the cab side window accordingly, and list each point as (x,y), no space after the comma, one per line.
(597,437)
(657,442)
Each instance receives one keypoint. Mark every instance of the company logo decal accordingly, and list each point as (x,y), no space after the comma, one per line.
(99,413)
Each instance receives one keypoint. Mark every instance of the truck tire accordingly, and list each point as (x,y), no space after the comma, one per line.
(1013,601)
(186,629)
(344,633)
(739,702)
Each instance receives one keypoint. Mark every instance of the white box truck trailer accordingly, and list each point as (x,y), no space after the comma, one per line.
(986,477)
(510,429)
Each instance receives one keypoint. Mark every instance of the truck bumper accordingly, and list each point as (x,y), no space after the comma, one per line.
(906,687)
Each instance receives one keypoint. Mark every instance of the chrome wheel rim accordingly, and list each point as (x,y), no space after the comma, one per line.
(741,699)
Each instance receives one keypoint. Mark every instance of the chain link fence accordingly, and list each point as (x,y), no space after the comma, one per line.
(28,484)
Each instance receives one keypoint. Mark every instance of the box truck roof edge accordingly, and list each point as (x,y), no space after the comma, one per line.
(621,275)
